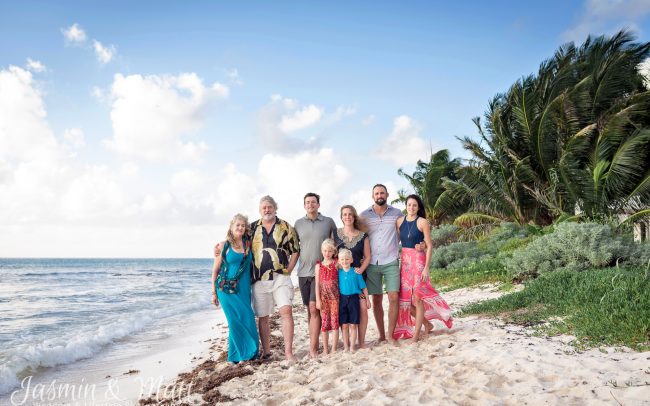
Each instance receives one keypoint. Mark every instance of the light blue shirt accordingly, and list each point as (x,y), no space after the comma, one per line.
(350,282)
(382,232)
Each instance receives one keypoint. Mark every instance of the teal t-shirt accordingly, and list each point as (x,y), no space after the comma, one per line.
(350,282)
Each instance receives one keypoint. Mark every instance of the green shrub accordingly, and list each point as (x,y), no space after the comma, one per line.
(456,255)
(510,245)
(444,235)
(490,270)
(601,306)
(572,246)
(460,254)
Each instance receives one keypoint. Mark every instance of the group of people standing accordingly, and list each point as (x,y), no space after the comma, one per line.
(338,270)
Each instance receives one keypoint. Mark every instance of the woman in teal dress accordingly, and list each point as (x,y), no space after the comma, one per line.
(231,284)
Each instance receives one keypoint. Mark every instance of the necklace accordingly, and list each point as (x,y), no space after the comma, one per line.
(409,226)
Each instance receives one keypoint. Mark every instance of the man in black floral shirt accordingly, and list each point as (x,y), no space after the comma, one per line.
(275,253)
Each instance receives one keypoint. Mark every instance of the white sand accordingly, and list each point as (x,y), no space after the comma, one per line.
(479,361)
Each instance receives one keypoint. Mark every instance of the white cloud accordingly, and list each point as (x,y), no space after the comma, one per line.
(340,113)
(233,76)
(287,126)
(74,137)
(644,69)
(52,200)
(35,66)
(404,144)
(607,16)
(98,93)
(104,54)
(95,193)
(74,34)
(151,115)
(368,120)
(316,171)
(24,132)
(299,119)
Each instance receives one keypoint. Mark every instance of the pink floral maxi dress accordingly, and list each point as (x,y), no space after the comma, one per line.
(411,283)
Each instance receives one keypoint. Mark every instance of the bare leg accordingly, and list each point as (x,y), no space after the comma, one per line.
(287,331)
(314,329)
(363,323)
(378,311)
(346,337)
(335,340)
(419,317)
(393,310)
(265,334)
(353,337)
(427,324)
(326,343)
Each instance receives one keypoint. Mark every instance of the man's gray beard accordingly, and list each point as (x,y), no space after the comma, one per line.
(268,217)
(380,202)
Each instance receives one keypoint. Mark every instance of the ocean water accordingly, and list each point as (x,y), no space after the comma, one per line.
(58,312)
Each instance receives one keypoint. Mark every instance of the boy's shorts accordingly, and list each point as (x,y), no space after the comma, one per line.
(349,309)
(268,294)
(389,273)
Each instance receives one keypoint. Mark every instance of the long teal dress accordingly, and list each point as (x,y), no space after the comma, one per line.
(243,341)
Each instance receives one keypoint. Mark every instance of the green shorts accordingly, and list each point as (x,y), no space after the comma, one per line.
(388,272)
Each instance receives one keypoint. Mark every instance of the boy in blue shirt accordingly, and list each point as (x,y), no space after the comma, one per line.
(351,284)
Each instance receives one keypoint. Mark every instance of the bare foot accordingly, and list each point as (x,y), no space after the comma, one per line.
(313,355)
(428,326)
(394,342)
(291,358)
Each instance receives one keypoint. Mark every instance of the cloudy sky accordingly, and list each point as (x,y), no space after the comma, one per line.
(137,129)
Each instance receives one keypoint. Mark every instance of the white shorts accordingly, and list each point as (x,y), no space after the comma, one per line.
(267,294)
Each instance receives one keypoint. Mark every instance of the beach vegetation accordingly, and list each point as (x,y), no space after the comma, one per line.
(426,181)
(599,306)
(577,247)
(571,139)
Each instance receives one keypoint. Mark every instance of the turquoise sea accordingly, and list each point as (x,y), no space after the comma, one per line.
(58,312)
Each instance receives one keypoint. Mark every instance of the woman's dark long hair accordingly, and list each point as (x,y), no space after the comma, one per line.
(421,212)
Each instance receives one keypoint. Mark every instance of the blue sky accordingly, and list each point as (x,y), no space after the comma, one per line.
(140,128)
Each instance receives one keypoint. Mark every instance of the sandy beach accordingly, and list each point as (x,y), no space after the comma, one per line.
(480,361)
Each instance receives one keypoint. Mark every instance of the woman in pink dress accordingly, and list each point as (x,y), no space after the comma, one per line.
(419,302)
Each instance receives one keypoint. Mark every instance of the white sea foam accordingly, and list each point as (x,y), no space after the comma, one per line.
(73,347)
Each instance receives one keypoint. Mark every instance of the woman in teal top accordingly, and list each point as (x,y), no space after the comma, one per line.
(231,284)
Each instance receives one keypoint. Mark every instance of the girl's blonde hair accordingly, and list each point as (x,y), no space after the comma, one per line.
(328,242)
(358,224)
(229,235)
(345,253)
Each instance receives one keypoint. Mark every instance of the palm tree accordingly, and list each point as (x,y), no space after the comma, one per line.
(426,181)
(574,136)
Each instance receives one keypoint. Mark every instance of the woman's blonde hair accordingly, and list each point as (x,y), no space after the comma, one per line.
(345,253)
(358,224)
(229,235)
(328,242)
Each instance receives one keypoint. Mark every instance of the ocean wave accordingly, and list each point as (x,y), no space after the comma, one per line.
(25,359)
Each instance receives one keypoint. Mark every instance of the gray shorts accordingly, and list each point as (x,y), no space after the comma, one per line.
(307,289)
